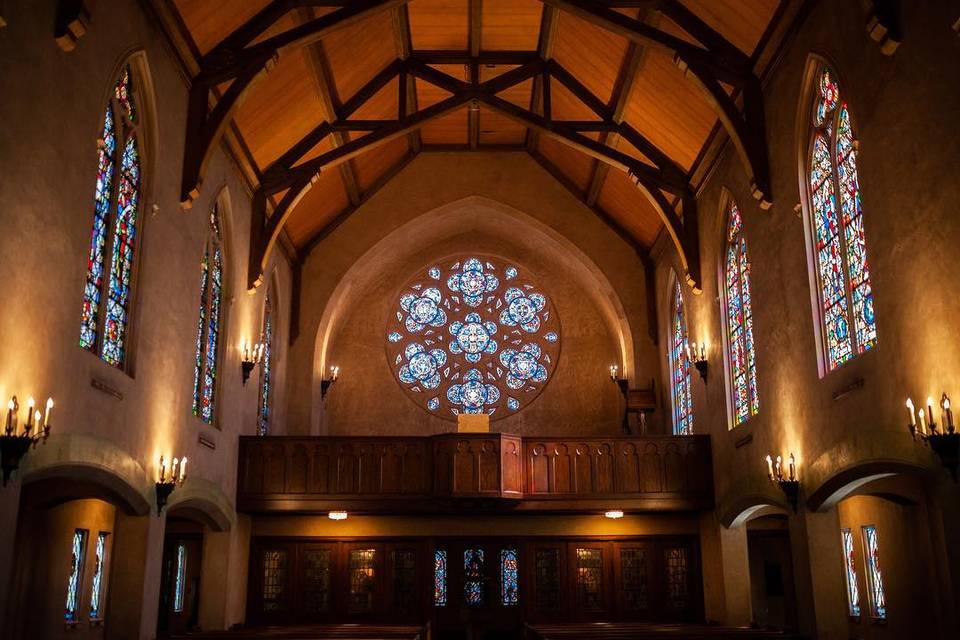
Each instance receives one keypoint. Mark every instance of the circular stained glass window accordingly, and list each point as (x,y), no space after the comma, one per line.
(473,334)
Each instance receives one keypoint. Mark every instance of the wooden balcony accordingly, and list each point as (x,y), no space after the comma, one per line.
(485,471)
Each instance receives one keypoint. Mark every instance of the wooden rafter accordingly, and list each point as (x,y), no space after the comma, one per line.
(474,30)
(407,89)
(716,61)
(549,21)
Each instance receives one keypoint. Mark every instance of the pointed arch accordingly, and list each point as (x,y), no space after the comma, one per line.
(126,134)
(738,319)
(268,340)
(679,360)
(841,289)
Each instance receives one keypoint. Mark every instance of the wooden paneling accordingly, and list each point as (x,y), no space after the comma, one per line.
(628,205)
(392,474)
(448,129)
(359,52)
(319,206)
(499,129)
(210,22)
(742,23)
(576,166)
(511,25)
(370,166)
(567,106)
(592,54)
(439,24)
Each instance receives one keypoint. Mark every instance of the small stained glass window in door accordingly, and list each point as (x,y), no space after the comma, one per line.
(590,579)
(473,577)
(363,582)
(633,579)
(678,587)
(509,577)
(440,578)
(316,580)
(274,580)
(96,586)
(78,550)
(850,571)
(547,578)
(871,557)
(404,579)
(180,578)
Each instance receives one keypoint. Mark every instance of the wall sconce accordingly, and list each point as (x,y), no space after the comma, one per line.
(326,383)
(624,385)
(790,485)
(166,485)
(337,515)
(698,356)
(249,359)
(613,514)
(13,444)
(944,440)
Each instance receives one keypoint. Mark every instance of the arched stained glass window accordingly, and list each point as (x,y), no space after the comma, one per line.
(208,327)
(107,294)
(845,294)
(266,366)
(739,312)
(680,367)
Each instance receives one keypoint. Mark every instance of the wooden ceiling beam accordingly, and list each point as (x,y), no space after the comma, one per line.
(549,21)
(474,30)
(234,59)
(407,89)
(455,56)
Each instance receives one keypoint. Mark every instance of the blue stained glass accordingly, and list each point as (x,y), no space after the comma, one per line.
(509,577)
(850,570)
(96,585)
(266,365)
(871,555)
(208,327)
(180,578)
(473,574)
(513,404)
(440,578)
(740,342)
(78,549)
(680,367)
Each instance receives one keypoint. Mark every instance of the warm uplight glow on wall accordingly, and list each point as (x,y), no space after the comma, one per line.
(337,515)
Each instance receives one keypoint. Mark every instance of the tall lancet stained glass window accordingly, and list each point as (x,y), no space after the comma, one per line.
(850,572)
(107,295)
(680,367)
(266,366)
(871,559)
(845,295)
(742,357)
(208,327)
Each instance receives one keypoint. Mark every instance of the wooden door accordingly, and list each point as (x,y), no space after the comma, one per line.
(590,563)
(180,583)
(271,586)
(634,576)
(315,591)
(546,596)
(363,582)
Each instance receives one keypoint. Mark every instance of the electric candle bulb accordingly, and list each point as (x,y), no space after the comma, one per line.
(933,425)
(183,470)
(913,414)
(947,413)
(793,468)
(30,405)
(778,467)
(923,423)
(173,470)
(46,414)
(11,415)
(163,469)
(770,467)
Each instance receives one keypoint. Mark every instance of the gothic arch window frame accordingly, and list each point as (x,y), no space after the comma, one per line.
(806,132)
(267,378)
(145,133)
(679,394)
(734,417)
(217,239)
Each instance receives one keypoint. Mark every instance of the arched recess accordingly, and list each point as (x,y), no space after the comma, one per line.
(849,480)
(204,502)
(453,219)
(747,508)
(84,466)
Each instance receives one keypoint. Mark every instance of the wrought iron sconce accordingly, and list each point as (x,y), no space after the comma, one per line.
(249,359)
(165,485)
(698,356)
(790,485)
(624,385)
(14,443)
(944,440)
(326,383)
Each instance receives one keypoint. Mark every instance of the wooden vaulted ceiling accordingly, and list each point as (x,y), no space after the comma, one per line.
(593,69)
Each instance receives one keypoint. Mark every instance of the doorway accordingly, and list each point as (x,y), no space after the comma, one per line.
(181,567)
(772,590)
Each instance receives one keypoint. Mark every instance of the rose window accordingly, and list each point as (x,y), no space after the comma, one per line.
(473,335)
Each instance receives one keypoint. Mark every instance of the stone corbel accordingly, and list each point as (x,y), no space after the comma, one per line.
(73,20)
(883,24)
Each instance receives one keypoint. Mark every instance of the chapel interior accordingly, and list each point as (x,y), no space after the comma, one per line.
(479,319)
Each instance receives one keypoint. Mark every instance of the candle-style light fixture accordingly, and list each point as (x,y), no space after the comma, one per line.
(789,483)
(624,385)
(327,382)
(698,356)
(337,515)
(613,514)
(250,357)
(167,483)
(943,438)
(15,442)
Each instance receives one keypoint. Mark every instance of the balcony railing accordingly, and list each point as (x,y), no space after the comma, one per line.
(488,471)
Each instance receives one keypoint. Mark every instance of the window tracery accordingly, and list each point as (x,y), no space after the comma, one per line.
(739,320)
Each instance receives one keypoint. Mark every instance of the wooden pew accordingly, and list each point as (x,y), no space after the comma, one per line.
(648,631)
(316,632)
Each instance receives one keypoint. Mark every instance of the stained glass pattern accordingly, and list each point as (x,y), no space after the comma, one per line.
(180,578)
(405,579)
(96,585)
(509,577)
(633,578)
(440,578)
(680,368)
(274,579)
(547,578)
(473,577)
(363,581)
(78,549)
(590,579)
(316,580)
(678,590)
(739,311)
(845,292)
(850,572)
(208,327)
(106,298)
(472,335)
(266,366)
(871,556)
